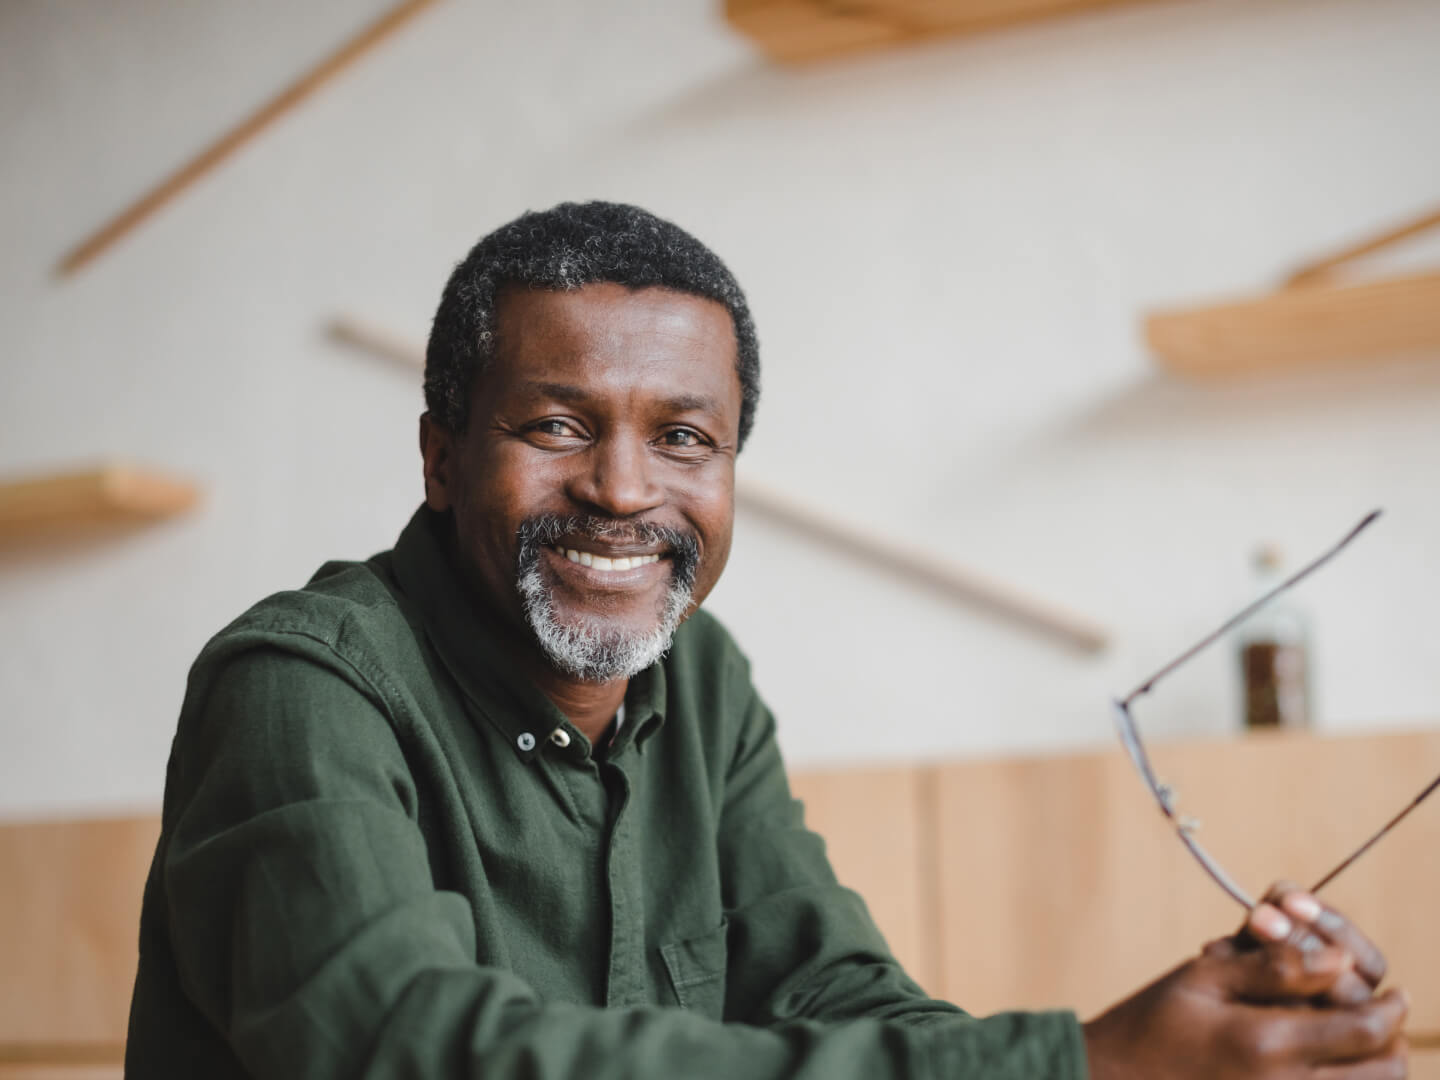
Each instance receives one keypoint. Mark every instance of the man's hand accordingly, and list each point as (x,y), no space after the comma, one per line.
(1290,996)
(1288,913)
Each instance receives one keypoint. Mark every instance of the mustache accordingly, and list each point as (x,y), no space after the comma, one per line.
(546,530)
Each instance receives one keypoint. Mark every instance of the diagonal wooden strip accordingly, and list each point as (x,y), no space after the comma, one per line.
(98,242)
(1318,270)
(918,564)
(914,563)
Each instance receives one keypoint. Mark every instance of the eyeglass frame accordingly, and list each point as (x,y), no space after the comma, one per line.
(1185,827)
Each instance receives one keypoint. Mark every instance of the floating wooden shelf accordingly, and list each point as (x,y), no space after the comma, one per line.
(1312,319)
(1316,324)
(107,496)
(797,31)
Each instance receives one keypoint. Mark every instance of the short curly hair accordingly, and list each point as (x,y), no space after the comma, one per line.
(566,247)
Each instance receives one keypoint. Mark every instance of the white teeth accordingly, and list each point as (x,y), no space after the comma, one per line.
(602,562)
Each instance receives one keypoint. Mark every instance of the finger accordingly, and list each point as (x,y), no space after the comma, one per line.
(1394,1064)
(1278,971)
(1330,926)
(1350,988)
(1357,1033)
(1271,920)
(1267,923)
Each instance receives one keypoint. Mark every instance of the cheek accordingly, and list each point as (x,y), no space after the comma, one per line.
(716,529)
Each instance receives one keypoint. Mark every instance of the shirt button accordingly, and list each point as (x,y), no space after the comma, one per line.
(560,737)
(526,741)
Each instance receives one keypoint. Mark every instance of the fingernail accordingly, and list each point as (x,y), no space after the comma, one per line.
(1302,905)
(1270,923)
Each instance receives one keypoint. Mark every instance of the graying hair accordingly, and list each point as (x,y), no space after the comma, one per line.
(567,247)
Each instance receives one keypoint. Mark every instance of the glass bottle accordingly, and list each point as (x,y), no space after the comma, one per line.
(1274,654)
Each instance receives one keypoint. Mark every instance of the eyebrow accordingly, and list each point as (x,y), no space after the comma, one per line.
(576,395)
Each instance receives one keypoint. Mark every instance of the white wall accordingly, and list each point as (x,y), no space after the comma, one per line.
(946,247)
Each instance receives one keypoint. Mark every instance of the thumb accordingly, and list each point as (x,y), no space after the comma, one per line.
(1279,971)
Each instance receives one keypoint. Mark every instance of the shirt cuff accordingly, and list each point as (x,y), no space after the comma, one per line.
(1018,1045)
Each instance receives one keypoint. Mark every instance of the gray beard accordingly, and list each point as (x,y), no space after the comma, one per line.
(591,649)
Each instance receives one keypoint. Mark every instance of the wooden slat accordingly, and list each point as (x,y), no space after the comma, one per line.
(233,140)
(1318,324)
(105,496)
(800,31)
(69,928)
(1064,887)
(45,1071)
(875,823)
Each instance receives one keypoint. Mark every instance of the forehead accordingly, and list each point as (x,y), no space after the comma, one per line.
(608,332)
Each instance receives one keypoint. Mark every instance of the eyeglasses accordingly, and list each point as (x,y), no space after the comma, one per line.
(1164,794)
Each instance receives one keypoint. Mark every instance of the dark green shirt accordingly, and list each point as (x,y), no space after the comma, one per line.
(385,855)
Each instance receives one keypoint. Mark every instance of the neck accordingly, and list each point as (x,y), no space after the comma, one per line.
(589,706)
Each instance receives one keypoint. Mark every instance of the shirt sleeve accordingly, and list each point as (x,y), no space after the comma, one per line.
(805,947)
(307,928)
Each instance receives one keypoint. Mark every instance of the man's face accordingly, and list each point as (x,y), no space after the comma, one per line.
(593,491)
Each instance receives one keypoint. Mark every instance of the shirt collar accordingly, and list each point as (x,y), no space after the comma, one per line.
(471,645)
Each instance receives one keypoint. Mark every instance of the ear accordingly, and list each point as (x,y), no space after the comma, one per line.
(437,447)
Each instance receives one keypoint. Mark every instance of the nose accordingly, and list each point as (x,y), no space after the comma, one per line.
(617,478)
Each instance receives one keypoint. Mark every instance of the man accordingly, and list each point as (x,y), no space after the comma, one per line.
(483,806)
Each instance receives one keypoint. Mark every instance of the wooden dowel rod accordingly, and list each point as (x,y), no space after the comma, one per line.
(913,563)
(217,152)
(1316,271)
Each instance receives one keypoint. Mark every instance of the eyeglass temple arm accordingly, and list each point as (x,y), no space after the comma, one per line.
(1211,867)
(1363,848)
(1245,613)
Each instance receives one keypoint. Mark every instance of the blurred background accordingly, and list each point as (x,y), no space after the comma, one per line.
(1072,337)
(950,242)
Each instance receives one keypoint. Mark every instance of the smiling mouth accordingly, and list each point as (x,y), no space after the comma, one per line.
(606,564)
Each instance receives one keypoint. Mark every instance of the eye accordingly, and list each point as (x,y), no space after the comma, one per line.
(554,431)
(682,439)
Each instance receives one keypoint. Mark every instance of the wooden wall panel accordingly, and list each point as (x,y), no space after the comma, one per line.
(1062,885)
(1425,1064)
(69,928)
(875,823)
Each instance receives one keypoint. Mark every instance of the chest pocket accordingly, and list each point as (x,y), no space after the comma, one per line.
(697,972)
